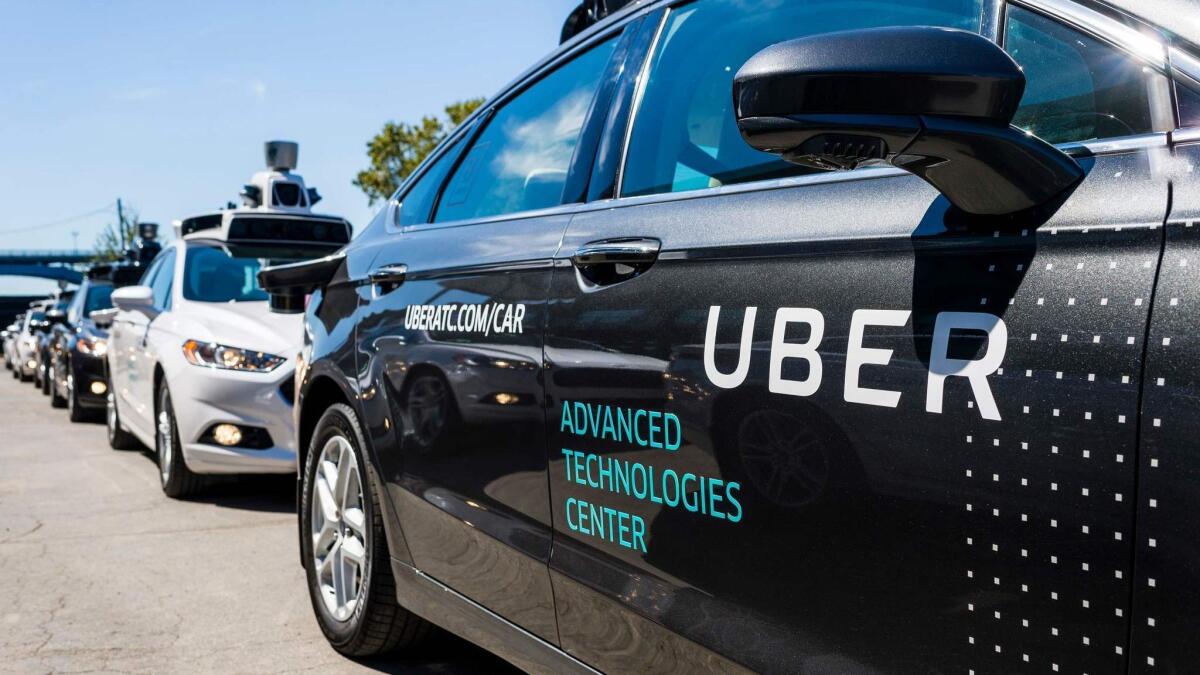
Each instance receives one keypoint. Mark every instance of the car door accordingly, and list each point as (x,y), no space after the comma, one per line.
(125,360)
(1167,557)
(450,343)
(155,333)
(821,423)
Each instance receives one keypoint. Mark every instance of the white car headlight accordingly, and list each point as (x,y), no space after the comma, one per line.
(213,355)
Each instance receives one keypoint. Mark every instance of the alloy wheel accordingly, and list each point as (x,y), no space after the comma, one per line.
(110,416)
(166,448)
(338,527)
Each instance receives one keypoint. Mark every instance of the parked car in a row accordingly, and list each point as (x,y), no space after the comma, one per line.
(625,379)
(199,369)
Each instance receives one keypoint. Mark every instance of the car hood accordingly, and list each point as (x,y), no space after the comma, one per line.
(249,325)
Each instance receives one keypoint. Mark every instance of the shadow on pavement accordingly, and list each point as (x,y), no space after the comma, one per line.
(445,654)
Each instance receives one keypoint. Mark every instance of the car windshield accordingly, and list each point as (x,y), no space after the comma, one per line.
(215,272)
(98,297)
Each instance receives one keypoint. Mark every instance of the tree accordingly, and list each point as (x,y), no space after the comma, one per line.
(109,247)
(399,149)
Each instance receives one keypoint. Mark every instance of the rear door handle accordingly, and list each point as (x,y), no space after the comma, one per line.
(612,261)
(389,276)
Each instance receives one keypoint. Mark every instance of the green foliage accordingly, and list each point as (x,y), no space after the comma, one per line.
(399,149)
(108,247)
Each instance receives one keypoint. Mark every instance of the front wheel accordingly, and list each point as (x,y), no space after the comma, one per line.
(57,401)
(344,548)
(118,438)
(178,481)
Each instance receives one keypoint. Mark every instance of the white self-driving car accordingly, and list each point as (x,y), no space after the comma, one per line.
(200,369)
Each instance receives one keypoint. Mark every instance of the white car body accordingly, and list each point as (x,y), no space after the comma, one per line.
(144,351)
(146,345)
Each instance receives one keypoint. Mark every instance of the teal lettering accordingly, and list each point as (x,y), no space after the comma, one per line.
(671,421)
(565,422)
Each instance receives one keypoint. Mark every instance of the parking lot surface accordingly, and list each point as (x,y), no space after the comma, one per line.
(103,573)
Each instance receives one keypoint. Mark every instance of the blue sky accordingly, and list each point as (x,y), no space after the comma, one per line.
(167,104)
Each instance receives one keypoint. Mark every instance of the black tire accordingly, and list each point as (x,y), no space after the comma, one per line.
(76,412)
(57,401)
(118,438)
(178,481)
(378,623)
(44,378)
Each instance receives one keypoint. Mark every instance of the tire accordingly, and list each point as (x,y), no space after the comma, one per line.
(76,412)
(373,622)
(45,381)
(118,438)
(57,401)
(178,481)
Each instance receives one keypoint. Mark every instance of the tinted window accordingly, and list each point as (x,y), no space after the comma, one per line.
(98,297)
(519,162)
(418,200)
(685,136)
(1189,106)
(163,280)
(216,272)
(1077,87)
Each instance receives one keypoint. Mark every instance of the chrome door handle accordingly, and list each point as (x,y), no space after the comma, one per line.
(612,261)
(388,277)
(617,251)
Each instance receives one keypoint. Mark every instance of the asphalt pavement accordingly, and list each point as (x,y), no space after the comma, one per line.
(100,572)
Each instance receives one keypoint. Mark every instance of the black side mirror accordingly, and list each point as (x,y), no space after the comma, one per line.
(936,102)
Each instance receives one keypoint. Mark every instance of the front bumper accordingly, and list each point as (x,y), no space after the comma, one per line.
(204,397)
(86,371)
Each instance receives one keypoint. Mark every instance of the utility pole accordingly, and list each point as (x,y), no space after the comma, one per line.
(121,225)
(75,239)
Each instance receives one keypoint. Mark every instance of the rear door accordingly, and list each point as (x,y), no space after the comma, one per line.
(450,346)
(820,423)
(125,361)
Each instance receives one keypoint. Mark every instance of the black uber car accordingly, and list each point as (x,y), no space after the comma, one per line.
(627,377)
(78,345)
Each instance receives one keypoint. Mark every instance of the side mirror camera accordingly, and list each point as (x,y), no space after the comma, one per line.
(135,299)
(936,102)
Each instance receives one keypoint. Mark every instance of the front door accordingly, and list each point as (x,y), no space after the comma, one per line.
(822,424)
(450,346)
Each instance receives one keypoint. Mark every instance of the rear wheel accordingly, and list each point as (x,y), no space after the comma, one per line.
(344,548)
(178,481)
(118,438)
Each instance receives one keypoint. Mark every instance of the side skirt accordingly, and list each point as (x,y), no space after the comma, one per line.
(447,608)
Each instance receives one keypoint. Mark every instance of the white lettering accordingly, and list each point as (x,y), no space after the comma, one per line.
(731,380)
(858,356)
(976,371)
(807,350)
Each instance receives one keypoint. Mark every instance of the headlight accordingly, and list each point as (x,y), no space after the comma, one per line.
(92,346)
(212,355)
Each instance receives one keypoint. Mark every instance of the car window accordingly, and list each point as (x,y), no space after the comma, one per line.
(685,136)
(1188,101)
(520,160)
(1076,87)
(98,297)
(418,200)
(163,280)
(75,309)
